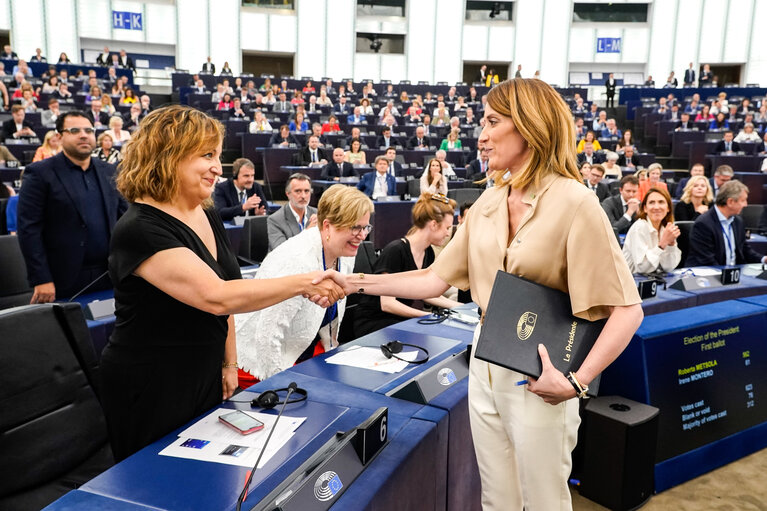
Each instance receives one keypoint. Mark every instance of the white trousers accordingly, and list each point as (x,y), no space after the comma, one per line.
(523,445)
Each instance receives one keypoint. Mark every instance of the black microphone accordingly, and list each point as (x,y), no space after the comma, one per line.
(88,286)
(291,388)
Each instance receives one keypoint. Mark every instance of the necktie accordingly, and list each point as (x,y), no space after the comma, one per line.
(314,156)
(729,147)
(625,208)
(482,166)
(243,195)
(391,169)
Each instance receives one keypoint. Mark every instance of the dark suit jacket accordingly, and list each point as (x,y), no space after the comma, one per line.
(9,127)
(413,142)
(613,207)
(368,181)
(622,160)
(227,200)
(282,225)
(397,168)
(127,62)
(597,158)
(306,156)
(610,87)
(707,244)
(689,76)
(680,187)
(333,169)
(720,147)
(103,60)
(52,228)
(394,141)
(103,117)
(277,139)
(346,109)
(603,191)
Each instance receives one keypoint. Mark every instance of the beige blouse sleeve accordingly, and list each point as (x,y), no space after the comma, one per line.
(452,264)
(597,273)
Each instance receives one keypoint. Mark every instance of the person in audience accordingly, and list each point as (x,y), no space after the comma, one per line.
(226,103)
(208,67)
(706,76)
(296,215)
(696,170)
(241,195)
(51,85)
(432,224)
(589,137)
(61,256)
(119,135)
(747,134)
(259,123)
(338,168)
(395,167)
(696,199)
(440,116)
(355,117)
(585,170)
(650,243)
(478,168)
(722,174)
(51,146)
(727,144)
(685,124)
(365,110)
(600,122)
(720,122)
(649,82)
(693,108)
(626,140)
(629,158)
(622,209)
(718,237)
(611,130)
(342,107)
(6,156)
(283,138)
(671,82)
(218,96)
(662,108)
(610,86)
(470,120)
(419,140)
(595,184)
(588,155)
(170,259)
(386,139)
(761,115)
(277,337)
(104,58)
(98,118)
(704,115)
(282,104)
(63,93)
(654,173)
(355,155)
(17,126)
(447,167)
(332,125)
(297,99)
(298,123)
(28,101)
(313,155)
(225,69)
(426,124)
(107,106)
(610,166)
(378,183)
(518,437)
(105,149)
(8,54)
(133,118)
(433,180)
(452,141)
(492,78)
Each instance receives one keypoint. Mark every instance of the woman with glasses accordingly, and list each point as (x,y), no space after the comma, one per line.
(275,338)
(432,224)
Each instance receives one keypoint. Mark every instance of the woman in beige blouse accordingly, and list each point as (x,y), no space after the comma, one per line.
(355,155)
(432,179)
(539,222)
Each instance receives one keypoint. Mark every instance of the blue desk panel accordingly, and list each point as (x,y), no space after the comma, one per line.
(374,380)
(78,500)
(667,300)
(448,329)
(748,286)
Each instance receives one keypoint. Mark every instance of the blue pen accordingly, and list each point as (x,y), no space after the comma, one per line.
(522,382)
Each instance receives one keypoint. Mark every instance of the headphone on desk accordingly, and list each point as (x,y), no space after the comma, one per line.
(269,399)
(390,349)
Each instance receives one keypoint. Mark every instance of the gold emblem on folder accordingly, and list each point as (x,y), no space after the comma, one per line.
(526,325)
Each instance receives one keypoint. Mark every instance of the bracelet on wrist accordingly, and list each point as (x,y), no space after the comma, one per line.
(233,365)
(580,390)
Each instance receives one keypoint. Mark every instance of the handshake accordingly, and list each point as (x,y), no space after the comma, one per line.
(327,287)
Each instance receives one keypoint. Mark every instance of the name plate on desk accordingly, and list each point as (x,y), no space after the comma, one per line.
(730,276)
(647,289)
(434,381)
(99,309)
(692,283)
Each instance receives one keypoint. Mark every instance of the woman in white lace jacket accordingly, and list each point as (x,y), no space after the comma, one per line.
(273,339)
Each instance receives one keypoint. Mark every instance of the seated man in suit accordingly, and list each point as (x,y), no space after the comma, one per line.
(588,155)
(17,126)
(622,209)
(395,167)
(685,123)
(611,130)
(595,184)
(386,139)
(727,145)
(317,132)
(356,117)
(313,155)
(241,195)
(722,174)
(378,183)
(420,140)
(718,237)
(338,168)
(282,104)
(628,158)
(283,138)
(296,215)
(48,117)
(99,118)
(342,107)
(696,170)
(477,169)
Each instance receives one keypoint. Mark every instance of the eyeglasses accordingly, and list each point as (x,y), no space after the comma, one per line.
(440,197)
(357,229)
(76,131)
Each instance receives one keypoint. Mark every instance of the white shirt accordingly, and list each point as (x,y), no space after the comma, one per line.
(725,224)
(380,189)
(642,252)
(302,223)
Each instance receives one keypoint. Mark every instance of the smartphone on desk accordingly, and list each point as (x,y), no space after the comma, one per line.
(242,422)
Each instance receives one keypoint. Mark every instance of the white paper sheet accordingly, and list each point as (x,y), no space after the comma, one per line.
(702,271)
(371,358)
(210,440)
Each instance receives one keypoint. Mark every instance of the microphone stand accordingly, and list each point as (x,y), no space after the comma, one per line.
(292,387)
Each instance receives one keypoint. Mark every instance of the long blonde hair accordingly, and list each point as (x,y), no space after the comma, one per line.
(687,194)
(545,122)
